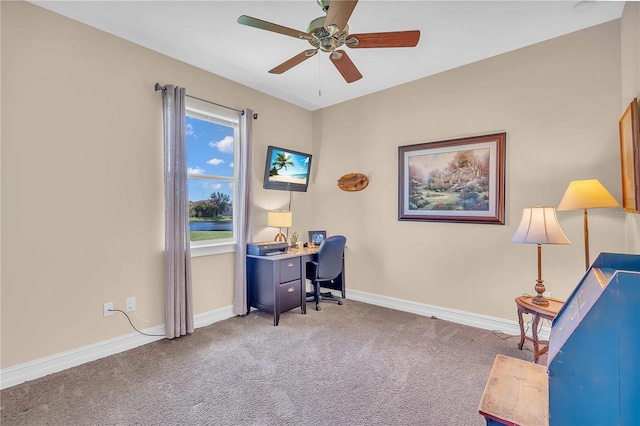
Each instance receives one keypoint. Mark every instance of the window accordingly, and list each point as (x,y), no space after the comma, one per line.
(212,137)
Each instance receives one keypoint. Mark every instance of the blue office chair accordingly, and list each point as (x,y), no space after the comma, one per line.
(327,268)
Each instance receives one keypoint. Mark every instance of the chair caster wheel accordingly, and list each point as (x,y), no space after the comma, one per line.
(317,307)
(339,302)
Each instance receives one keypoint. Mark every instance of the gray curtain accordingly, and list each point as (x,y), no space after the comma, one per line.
(244,216)
(177,256)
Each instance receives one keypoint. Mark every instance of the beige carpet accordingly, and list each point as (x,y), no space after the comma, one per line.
(355,364)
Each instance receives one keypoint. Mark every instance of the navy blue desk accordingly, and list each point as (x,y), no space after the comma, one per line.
(276,283)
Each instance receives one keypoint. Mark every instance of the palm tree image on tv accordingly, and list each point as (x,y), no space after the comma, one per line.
(288,167)
(281,161)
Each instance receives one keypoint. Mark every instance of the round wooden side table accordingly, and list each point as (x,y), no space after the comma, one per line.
(549,312)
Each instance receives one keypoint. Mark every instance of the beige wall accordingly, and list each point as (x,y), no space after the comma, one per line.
(82,177)
(0,187)
(82,204)
(630,52)
(558,101)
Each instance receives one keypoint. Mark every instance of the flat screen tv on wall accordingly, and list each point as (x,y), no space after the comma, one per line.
(286,169)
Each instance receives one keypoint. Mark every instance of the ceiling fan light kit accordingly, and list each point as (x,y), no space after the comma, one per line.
(329,33)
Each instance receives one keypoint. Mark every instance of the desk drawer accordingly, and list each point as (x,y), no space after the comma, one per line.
(290,296)
(289,270)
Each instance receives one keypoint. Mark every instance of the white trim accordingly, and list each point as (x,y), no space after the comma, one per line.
(461,317)
(207,113)
(195,108)
(41,367)
(210,249)
(207,318)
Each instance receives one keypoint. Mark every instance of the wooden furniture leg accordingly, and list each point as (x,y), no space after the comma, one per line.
(522,335)
(534,333)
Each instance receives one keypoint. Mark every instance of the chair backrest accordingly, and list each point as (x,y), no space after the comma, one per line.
(330,257)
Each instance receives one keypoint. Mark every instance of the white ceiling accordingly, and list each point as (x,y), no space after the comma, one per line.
(453,33)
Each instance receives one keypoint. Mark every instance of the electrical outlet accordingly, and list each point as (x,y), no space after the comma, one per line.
(130,304)
(107,309)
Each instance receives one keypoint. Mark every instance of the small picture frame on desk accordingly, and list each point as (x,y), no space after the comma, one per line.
(317,237)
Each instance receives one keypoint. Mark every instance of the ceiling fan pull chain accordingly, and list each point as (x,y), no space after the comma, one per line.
(319,78)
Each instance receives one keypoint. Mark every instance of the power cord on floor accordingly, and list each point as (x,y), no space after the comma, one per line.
(134,327)
(502,335)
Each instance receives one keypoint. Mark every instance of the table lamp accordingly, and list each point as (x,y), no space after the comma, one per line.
(279,219)
(586,194)
(539,225)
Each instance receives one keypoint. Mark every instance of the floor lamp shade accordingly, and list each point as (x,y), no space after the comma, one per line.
(278,219)
(586,194)
(539,225)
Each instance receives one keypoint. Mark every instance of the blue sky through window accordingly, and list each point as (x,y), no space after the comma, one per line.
(209,152)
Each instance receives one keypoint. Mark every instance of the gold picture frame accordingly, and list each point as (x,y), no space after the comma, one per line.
(630,158)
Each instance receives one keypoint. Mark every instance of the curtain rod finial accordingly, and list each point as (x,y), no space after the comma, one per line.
(158,87)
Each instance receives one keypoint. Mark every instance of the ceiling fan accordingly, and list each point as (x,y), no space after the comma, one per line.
(329,33)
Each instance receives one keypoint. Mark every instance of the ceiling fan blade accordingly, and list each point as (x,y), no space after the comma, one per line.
(287,65)
(343,63)
(339,13)
(387,39)
(269,26)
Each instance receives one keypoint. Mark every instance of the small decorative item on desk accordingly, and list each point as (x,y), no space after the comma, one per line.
(294,238)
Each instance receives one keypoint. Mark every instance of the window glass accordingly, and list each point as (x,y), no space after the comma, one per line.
(212,142)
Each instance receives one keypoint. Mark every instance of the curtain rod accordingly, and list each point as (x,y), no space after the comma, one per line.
(255,115)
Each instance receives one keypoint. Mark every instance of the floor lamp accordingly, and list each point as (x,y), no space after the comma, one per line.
(278,219)
(586,194)
(539,225)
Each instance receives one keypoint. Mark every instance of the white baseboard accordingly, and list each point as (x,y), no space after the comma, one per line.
(41,367)
(207,318)
(461,317)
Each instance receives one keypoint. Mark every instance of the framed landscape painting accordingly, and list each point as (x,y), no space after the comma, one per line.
(458,180)
(630,158)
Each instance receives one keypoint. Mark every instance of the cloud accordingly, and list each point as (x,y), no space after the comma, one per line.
(215,161)
(225,145)
(195,171)
(189,130)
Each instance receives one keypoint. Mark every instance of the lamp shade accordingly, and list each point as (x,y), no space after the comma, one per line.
(539,225)
(279,219)
(586,194)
